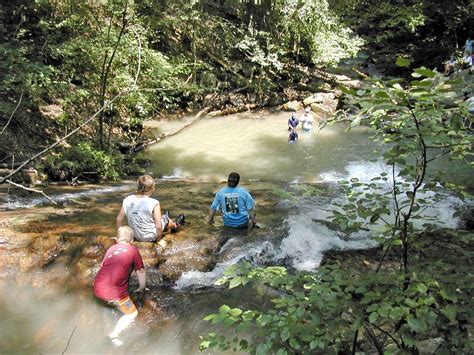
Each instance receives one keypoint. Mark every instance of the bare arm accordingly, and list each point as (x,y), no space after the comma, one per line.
(157,219)
(210,218)
(119,218)
(253,216)
(141,275)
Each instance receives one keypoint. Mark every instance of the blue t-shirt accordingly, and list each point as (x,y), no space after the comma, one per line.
(234,203)
(293,122)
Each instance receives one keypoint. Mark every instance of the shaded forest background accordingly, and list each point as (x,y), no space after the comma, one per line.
(62,61)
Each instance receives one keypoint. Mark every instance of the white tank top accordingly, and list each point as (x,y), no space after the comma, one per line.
(139,211)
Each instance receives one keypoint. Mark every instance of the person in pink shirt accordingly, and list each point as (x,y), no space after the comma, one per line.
(111,282)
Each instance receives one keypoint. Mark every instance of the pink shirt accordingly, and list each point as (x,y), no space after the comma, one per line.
(111,282)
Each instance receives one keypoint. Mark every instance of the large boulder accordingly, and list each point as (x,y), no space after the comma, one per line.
(184,253)
(179,253)
(349,82)
(292,106)
(322,104)
(319,97)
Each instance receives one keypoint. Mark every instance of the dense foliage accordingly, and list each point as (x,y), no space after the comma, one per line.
(62,61)
(67,60)
(428,31)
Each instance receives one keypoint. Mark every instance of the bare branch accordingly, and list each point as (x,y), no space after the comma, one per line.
(165,135)
(69,340)
(139,56)
(11,116)
(31,190)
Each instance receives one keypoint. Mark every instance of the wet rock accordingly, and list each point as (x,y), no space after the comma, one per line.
(180,254)
(467,218)
(292,106)
(430,346)
(319,97)
(322,104)
(148,253)
(349,82)
(124,147)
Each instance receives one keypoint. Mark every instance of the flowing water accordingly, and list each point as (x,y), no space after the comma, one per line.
(76,233)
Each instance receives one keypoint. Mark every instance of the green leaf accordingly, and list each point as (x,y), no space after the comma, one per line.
(356,122)
(224,308)
(374,218)
(210,317)
(450,312)
(373,317)
(421,288)
(285,334)
(347,90)
(235,312)
(403,62)
(204,345)
(235,282)
(294,344)
(425,72)
(416,325)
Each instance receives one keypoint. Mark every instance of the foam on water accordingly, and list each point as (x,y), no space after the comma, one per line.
(231,254)
(14,203)
(176,175)
(362,170)
(307,240)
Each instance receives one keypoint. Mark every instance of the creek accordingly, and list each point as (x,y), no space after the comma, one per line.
(49,255)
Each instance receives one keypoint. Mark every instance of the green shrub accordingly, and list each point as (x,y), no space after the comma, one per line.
(83,161)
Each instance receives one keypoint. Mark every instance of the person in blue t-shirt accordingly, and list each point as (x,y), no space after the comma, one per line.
(293,122)
(236,205)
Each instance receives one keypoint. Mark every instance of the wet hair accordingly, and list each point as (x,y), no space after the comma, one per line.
(233,179)
(145,183)
(124,234)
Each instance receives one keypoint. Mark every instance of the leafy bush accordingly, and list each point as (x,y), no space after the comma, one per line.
(82,161)
(333,311)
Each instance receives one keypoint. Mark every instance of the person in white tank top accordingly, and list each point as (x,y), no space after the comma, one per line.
(143,212)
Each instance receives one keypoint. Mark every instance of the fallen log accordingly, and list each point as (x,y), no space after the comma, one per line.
(145,144)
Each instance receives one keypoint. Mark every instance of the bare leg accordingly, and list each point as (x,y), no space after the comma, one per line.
(123,323)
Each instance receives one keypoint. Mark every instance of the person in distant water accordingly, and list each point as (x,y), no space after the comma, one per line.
(468,56)
(111,282)
(293,136)
(469,46)
(236,205)
(293,122)
(449,66)
(144,213)
(307,120)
